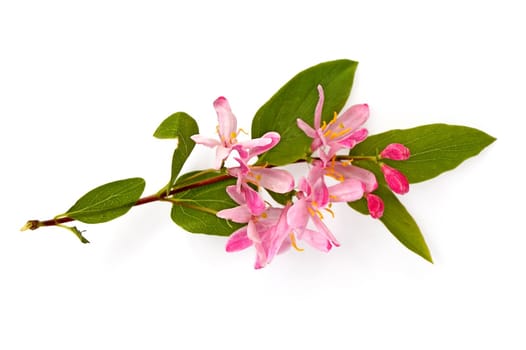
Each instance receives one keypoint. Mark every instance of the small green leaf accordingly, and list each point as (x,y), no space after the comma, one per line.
(107,202)
(178,126)
(398,221)
(435,148)
(195,209)
(298,99)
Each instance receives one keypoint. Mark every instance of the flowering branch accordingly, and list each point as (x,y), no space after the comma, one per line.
(302,123)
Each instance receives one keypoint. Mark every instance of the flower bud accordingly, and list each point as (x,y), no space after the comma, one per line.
(395,151)
(396,181)
(375,205)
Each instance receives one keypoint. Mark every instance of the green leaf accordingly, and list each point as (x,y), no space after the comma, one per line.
(298,99)
(435,148)
(194,209)
(107,202)
(398,221)
(178,126)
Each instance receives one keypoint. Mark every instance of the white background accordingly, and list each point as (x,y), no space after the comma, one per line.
(83,87)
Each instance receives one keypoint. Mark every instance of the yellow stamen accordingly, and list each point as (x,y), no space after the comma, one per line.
(335,115)
(324,125)
(293,243)
(241,131)
(264,215)
(329,211)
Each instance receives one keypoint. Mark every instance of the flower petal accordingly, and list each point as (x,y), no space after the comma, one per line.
(268,141)
(239,214)
(306,128)
(238,240)
(319,108)
(236,195)
(255,203)
(361,174)
(354,117)
(221,153)
(227,120)
(298,215)
(206,141)
(346,191)
(277,180)
(325,230)
(315,240)
(354,138)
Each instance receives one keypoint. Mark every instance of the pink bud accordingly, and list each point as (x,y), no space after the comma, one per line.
(395,179)
(375,205)
(395,151)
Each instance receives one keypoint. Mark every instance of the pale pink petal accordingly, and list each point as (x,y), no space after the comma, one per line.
(306,128)
(255,203)
(279,234)
(346,191)
(315,240)
(316,143)
(319,108)
(353,139)
(221,154)
(271,216)
(375,205)
(239,214)
(395,179)
(298,215)
(325,230)
(352,118)
(227,120)
(261,254)
(276,180)
(354,172)
(252,232)
(206,141)
(320,194)
(271,139)
(238,241)
(235,194)
(395,151)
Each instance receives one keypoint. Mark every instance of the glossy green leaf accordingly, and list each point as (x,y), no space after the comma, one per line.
(178,126)
(435,148)
(194,209)
(107,202)
(397,220)
(298,99)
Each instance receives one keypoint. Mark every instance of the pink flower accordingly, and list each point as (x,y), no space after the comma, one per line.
(342,171)
(341,132)
(227,131)
(396,181)
(259,229)
(395,151)
(313,196)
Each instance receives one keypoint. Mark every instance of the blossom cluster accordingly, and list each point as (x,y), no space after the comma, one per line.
(331,178)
